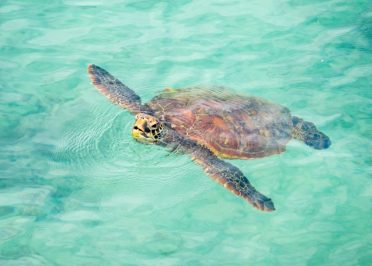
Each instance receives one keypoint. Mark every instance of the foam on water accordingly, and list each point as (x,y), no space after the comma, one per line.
(75,189)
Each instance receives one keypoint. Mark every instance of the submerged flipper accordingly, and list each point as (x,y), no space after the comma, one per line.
(309,134)
(114,90)
(231,178)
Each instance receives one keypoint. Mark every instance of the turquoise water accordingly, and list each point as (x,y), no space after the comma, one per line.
(75,189)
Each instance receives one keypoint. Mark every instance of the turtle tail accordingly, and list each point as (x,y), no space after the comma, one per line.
(309,134)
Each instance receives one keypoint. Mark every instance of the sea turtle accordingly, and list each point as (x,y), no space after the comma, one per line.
(211,125)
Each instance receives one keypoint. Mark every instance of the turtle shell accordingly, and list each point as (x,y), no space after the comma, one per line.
(230,125)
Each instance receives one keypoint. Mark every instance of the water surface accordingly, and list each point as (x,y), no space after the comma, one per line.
(75,189)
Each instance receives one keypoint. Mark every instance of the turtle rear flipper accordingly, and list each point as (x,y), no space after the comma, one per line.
(309,134)
(116,91)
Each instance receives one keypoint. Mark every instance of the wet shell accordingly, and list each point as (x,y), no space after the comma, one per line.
(230,125)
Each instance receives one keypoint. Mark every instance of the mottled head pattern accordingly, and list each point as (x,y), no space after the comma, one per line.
(309,134)
(147,129)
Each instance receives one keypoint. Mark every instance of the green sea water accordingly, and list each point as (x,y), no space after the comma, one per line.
(75,189)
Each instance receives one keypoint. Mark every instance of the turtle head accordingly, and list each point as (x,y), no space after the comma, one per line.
(147,129)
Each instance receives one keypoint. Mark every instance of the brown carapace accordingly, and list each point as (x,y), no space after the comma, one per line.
(231,126)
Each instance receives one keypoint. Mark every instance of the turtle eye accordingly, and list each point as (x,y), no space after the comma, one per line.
(135,127)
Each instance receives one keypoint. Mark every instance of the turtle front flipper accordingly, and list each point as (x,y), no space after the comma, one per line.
(115,91)
(309,134)
(231,178)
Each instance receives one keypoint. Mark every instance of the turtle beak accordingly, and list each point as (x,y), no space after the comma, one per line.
(140,131)
(136,134)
